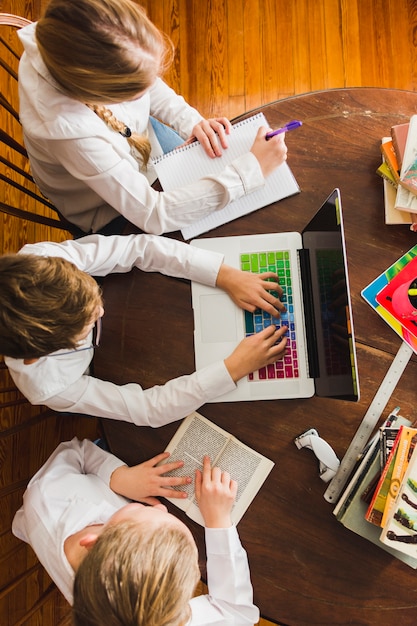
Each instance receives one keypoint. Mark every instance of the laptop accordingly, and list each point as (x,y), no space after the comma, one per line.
(312,270)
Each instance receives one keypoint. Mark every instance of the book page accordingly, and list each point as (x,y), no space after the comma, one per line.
(197,437)
(190,163)
(249,468)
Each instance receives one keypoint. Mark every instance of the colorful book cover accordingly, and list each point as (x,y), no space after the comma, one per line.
(370,293)
(392,215)
(352,516)
(390,158)
(409,177)
(385,173)
(400,531)
(387,438)
(406,445)
(379,498)
(400,286)
(399,134)
(406,199)
(408,173)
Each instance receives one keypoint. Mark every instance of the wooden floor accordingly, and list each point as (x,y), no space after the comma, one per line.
(232,56)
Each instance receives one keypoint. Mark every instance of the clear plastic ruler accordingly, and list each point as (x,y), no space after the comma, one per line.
(368,423)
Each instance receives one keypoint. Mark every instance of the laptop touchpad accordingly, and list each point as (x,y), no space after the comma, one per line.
(218,319)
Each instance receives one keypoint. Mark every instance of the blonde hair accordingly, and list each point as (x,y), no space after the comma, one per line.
(102,52)
(136,575)
(136,141)
(45,303)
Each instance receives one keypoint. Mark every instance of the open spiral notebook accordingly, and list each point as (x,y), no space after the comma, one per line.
(188,164)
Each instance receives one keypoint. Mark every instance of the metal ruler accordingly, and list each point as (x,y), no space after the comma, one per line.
(368,423)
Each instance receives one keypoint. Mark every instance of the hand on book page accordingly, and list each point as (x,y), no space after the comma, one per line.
(215,493)
(198,437)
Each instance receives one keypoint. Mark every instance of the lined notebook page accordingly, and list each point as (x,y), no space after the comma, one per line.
(190,163)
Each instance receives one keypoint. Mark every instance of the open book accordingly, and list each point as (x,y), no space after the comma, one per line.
(198,436)
(189,163)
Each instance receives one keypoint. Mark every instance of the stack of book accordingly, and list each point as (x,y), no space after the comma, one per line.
(380,501)
(399,172)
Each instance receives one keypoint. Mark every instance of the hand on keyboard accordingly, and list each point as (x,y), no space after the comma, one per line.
(252,291)
(257,351)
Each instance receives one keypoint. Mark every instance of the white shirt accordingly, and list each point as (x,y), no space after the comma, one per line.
(62,383)
(71,491)
(86,169)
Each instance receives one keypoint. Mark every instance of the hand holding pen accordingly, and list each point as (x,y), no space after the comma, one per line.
(284,129)
(270,154)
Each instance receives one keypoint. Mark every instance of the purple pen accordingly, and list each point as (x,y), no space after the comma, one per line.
(290,126)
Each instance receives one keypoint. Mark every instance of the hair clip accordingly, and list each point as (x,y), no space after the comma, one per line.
(126,133)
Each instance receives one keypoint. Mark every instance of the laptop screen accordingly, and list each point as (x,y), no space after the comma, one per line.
(327,304)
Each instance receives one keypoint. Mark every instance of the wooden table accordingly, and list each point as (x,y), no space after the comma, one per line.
(306,567)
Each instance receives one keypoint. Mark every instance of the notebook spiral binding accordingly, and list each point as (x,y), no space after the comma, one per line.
(196,143)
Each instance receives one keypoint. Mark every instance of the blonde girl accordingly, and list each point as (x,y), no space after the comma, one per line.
(94,108)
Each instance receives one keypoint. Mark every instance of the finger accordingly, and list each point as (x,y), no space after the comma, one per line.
(216,474)
(206,144)
(271,279)
(272,287)
(169,467)
(280,334)
(206,468)
(225,478)
(268,332)
(213,138)
(221,134)
(175,481)
(278,350)
(233,487)
(174,493)
(197,483)
(270,303)
(157,459)
(262,130)
(225,123)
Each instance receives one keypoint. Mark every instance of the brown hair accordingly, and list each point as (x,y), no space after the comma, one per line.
(45,303)
(103,51)
(136,575)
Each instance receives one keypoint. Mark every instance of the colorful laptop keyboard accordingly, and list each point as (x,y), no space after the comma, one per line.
(278,262)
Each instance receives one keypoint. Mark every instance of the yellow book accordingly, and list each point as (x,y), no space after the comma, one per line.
(406,445)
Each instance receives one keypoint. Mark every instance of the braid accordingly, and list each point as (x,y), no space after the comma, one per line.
(139,143)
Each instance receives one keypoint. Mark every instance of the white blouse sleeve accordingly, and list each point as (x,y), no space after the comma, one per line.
(99,256)
(169,107)
(230,595)
(114,178)
(156,406)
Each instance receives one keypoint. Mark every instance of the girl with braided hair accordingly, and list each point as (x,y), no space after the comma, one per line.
(94,108)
